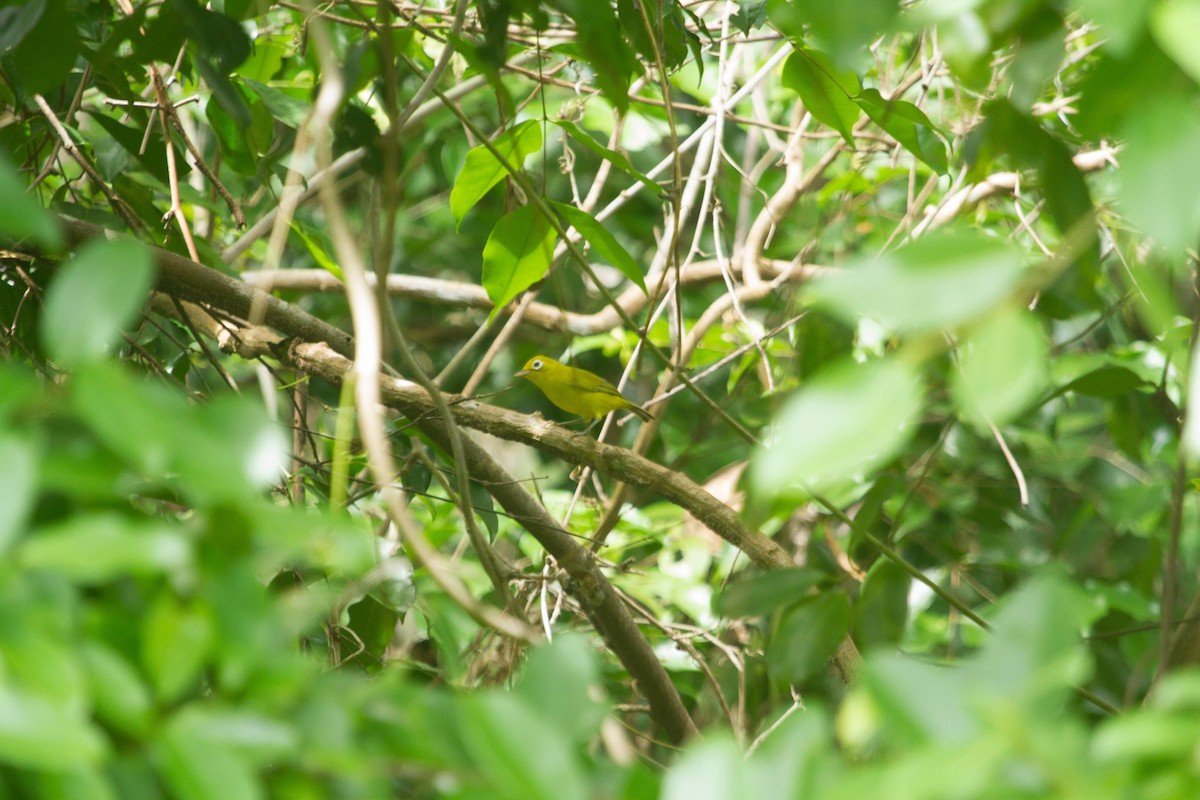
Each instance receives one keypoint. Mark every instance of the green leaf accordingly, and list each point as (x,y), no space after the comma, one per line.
(762,594)
(481,170)
(46,53)
(1068,200)
(1160,169)
(848,420)
(19,479)
(825,90)
(881,612)
(255,737)
(1121,22)
(38,734)
(939,281)
(1176,27)
(195,769)
(283,107)
(566,670)
(485,508)
(20,215)
(500,732)
(908,125)
(99,547)
(222,45)
(18,20)
(617,159)
(845,30)
(599,37)
(1003,366)
(93,297)
(1110,381)
(175,644)
(375,626)
(120,697)
(807,637)
(602,241)
(713,769)
(516,255)
(318,250)
(751,15)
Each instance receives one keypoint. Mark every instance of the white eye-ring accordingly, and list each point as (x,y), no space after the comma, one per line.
(537,364)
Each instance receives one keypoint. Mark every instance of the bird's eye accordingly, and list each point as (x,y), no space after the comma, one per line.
(537,364)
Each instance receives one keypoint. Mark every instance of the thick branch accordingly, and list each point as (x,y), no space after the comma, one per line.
(188,280)
(587,584)
(575,448)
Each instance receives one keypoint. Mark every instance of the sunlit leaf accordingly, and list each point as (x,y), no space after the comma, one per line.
(1160,170)
(100,547)
(516,255)
(825,90)
(1176,27)
(482,170)
(908,125)
(843,423)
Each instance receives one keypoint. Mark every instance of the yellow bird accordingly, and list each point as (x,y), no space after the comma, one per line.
(577,391)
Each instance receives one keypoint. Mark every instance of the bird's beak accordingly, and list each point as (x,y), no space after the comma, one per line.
(521,373)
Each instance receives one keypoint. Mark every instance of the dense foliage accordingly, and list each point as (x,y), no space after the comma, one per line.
(908,286)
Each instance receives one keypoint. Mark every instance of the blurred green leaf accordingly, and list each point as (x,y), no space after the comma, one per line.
(939,281)
(1110,381)
(1176,27)
(1002,367)
(1121,22)
(18,486)
(600,40)
(881,612)
(845,30)
(93,297)
(18,20)
(518,753)
(38,734)
(762,594)
(374,626)
(283,107)
(20,214)
(121,698)
(566,671)
(103,546)
(711,770)
(751,15)
(44,55)
(807,637)
(196,769)
(485,508)
(176,638)
(1160,170)
(516,255)
(845,422)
